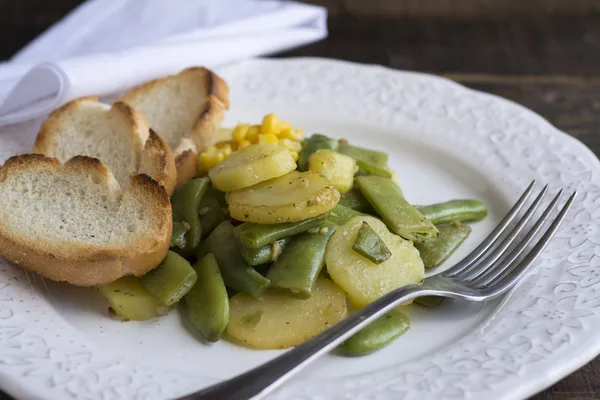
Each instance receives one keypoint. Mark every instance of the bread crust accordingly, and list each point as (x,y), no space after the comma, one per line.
(158,162)
(84,264)
(152,154)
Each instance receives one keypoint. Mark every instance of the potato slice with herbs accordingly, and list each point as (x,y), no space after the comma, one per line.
(278,321)
(290,198)
(251,165)
(363,280)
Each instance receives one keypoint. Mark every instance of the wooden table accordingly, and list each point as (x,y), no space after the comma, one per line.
(549,63)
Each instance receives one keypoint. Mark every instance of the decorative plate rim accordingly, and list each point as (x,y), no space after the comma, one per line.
(552,314)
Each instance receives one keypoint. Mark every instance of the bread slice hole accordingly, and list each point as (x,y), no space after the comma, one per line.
(96,179)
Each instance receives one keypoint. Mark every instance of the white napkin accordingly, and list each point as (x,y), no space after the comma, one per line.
(106,46)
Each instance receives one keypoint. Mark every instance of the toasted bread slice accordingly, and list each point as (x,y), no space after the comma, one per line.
(72,222)
(186,110)
(119,136)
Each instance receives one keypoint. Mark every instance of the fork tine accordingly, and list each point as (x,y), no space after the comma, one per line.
(500,267)
(492,237)
(519,270)
(479,268)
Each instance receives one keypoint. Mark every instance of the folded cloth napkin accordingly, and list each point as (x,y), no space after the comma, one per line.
(106,46)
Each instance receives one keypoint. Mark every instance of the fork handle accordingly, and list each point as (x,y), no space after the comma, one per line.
(266,377)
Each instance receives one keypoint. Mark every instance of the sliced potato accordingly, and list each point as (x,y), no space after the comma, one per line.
(290,198)
(251,165)
(278,321)
(337,167)
(128,298)
(363,280)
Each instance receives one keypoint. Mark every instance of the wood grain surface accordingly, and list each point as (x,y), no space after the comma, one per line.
(544,54)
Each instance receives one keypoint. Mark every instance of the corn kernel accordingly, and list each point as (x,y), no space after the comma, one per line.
(243,144)
(252,135)
(295,155)
(285,126)
(240,132)
(219,157)
(270,125)
(206,161)
(267,138)
(226,149)
(210,150)
(291,144)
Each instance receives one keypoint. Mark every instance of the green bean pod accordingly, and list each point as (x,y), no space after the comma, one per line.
(454,210)
(258,235)
(312,145)
(171,280)
(369,245)
(237,274)
(186,202)
(434,252)
(211,214)
(372,158)
(298,267)
(387,199)
(211,191)
(178,235)
(371,169)
(341,214)
(207,302)
(355,200)
(265,254)
(378,334)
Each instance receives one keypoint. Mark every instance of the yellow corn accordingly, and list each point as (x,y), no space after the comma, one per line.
(210,150)
(206,161)
(293,134)
(240,132)
(243,144)
(271,130)
(284,126)
(252,135)
(267,138)
(220,156)
(226,150)
(291,144)
(270,125)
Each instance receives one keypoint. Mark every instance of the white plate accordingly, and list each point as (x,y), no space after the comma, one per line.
(445,141)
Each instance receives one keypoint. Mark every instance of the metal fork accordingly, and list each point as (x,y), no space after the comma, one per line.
(489,271)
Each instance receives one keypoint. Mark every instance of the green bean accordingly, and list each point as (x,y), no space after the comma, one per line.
(178,235)
(128,298)
(236,273)
(369,157)
(376,335)
(373,170)
(258,235)
(355,200)
(296,271)
(171,280)
(368,244)
(436,251)
(186,201)
(211,191)
(454,210)
(211,214)
(342,214)
(311,145)
(387,199)
(266,254)
(207,302)
(429,301)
